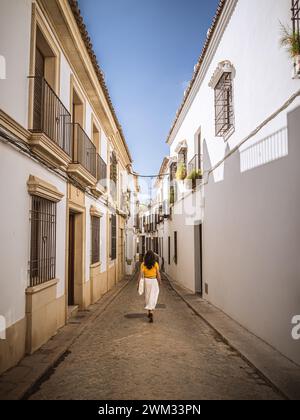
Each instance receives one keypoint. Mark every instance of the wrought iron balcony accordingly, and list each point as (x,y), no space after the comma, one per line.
(194,170)
(84,150)
(101,171)
(83,166)
(194,165)
(51,124)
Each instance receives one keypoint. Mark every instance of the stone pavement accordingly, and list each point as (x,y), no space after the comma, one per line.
(17,383)
(277,369)
(121,356)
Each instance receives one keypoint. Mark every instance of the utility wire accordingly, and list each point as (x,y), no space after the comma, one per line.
(24,148)
(236,148)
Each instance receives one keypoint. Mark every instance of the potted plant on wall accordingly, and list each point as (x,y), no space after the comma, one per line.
(181,172)
(290,40)
(193,176)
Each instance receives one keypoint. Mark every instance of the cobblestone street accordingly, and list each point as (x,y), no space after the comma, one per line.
(122,356)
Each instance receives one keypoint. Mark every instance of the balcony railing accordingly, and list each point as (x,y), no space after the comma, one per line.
(101,171)
(50,116)
(84,151)
(194,170)
(194,165)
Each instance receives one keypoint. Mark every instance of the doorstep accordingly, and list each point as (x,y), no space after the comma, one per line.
(72,311)
(279,371)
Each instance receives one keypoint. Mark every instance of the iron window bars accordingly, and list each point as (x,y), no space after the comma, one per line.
(43,241)
(224,116)
(95,227)
(296,17)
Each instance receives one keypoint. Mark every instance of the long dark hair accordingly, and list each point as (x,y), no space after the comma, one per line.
(149,260)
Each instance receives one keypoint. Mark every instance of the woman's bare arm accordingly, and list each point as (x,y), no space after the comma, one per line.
(158,276)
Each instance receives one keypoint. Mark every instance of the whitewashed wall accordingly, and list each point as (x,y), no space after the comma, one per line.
(14,90)
(15,230)
(15,25)
(251,227)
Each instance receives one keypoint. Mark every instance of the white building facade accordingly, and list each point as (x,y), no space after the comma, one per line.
(233,231)
(64,164)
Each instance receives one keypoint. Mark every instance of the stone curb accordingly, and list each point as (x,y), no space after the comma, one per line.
(281,373)
(19,382)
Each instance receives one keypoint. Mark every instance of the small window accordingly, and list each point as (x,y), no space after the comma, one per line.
(43,241)
(113,242)
(224,117)
(175,248)
(95,227)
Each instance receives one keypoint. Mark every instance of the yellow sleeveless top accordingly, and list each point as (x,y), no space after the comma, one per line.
(150,273)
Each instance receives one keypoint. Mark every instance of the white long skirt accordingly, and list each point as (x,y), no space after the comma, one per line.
(151,294)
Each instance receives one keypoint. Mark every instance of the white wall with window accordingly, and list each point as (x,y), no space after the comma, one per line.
(16,233)
(250,266)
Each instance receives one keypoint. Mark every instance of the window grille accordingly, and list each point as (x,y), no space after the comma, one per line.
(296,16)
(95,227)
(43,241)
(113,237)
(224,116)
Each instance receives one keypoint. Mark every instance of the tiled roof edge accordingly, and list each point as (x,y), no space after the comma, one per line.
(199,63)
(89,46)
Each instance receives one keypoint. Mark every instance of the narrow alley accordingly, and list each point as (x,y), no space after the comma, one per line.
(121,356)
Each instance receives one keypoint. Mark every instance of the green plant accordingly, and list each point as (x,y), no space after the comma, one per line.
(181,172)
(195,174)
(290,40)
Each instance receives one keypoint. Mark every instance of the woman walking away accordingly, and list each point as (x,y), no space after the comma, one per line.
(150,270)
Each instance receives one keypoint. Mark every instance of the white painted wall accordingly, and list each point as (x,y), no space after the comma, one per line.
(251,227)
(14,89)
(15,234)
(15,230)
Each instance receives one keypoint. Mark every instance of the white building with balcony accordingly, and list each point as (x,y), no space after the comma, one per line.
(62,159)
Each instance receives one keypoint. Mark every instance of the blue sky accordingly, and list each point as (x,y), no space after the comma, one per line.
(147,50)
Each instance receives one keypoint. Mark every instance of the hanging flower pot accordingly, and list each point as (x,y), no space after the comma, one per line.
(297,67)
(193,176)
(181,172)
(290,39)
